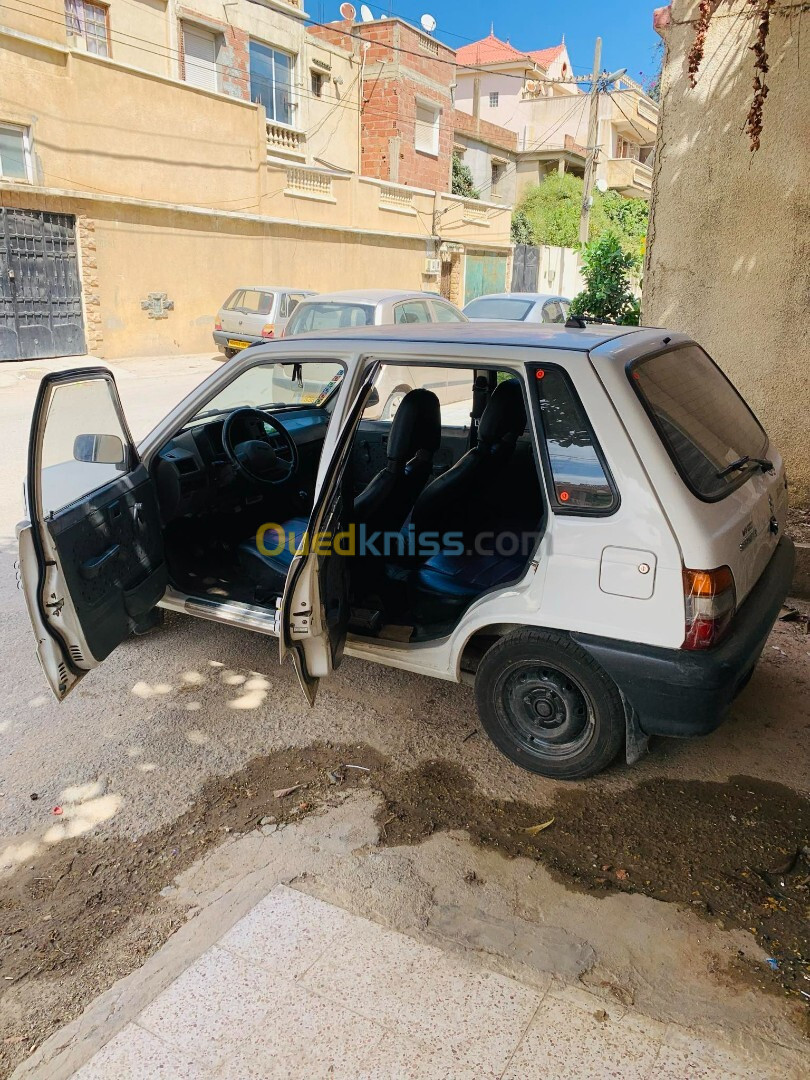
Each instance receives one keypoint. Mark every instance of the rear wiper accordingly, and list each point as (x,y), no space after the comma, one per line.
(741,462)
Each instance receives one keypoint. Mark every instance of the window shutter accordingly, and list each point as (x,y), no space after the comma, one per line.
(200,53)
(425,132)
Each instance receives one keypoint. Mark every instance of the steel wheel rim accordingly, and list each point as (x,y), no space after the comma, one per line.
(545,709)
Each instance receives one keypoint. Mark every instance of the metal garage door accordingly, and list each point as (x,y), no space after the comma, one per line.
(485,272)
(40,287)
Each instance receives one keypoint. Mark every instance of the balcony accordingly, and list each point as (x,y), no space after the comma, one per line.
(285,141)
(310,184)
(629,177)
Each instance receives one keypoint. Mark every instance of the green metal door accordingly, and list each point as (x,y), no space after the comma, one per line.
(485,273)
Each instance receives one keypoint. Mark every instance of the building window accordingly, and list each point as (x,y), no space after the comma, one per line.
(316,83)
(271,81)
(200,49)
(426,129)
(89,23)
(15,159)
(497,170)
(493,99)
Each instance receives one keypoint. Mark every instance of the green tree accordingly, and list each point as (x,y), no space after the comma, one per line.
(462,180)
(607,296)
(552,209)
(521,230)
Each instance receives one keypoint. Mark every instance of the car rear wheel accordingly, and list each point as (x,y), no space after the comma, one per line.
(230,353)
(548,706)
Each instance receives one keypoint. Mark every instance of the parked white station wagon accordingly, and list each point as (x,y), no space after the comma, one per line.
(594,539)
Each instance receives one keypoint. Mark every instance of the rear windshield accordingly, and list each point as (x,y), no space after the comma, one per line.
(329,316)
(702,420)
(499,307)
(253,301)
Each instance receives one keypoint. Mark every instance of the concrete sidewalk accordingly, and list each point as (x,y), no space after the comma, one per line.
(298,988)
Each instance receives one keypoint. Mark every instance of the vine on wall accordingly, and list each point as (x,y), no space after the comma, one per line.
(762,13)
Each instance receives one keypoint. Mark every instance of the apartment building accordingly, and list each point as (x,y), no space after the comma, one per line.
(537,96)
(154,155)
(408,135)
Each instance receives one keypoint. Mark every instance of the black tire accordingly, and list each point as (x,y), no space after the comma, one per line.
(548,706)
(229,353)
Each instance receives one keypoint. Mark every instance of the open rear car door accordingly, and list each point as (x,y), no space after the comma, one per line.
(314,611)
(91,555)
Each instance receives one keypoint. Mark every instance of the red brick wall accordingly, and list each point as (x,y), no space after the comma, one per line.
(234,55)
(477,128)
(389,99)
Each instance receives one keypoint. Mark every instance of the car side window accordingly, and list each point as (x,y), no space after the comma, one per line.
(291,300)
(412,311)
(443,313)
(580,481)
(552,312)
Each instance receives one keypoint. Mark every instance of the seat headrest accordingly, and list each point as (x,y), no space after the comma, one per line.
(417,425)
(505,413)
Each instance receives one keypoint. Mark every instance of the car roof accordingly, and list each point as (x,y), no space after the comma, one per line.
(373,296)
(535,297)
(541,335)
(271,288)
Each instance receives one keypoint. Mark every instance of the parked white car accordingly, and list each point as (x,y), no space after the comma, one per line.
(254,313)
(518,307)
(598,547)
(377,307)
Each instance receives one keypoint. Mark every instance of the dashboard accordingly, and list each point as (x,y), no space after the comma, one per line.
(193,473)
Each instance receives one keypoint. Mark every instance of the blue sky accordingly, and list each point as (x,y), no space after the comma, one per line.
(625,26)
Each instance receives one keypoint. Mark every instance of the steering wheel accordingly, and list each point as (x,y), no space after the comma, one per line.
(250,450)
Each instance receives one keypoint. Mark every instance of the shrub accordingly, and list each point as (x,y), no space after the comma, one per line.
(607,296)
(462,181)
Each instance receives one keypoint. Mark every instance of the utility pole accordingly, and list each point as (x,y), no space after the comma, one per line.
(592,149)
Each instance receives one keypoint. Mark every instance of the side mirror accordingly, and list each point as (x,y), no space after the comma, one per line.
(373,399)
(100,449)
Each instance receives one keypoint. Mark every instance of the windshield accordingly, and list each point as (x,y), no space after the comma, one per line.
(498,307)
(702,420)
(277,385)
(329,316)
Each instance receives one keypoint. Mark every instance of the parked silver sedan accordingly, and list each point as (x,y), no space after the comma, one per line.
(381,307)
(254,313)
(519,307)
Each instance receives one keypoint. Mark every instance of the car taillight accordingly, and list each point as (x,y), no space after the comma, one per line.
(268,330)
(709,602)
(218,324)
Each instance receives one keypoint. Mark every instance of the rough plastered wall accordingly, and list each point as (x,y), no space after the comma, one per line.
(729,241)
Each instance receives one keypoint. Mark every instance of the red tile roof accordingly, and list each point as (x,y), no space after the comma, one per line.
(544,57)
(491,50)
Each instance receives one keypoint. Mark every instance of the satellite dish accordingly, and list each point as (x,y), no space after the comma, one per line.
(366,14)
(428,23)
(601,185)
(347,11)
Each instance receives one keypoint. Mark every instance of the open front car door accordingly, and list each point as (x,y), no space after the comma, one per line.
(314,612)
(91,555)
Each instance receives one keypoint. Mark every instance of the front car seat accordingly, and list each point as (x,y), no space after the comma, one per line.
(415,436)
(456,501)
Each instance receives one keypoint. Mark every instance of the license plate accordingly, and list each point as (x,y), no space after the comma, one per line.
(233,344)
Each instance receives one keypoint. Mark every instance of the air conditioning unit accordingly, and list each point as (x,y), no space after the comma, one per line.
(433,267)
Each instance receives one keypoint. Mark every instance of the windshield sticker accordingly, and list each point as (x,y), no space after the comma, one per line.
(330,386)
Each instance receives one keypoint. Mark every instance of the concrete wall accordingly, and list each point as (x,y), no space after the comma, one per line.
(729,246)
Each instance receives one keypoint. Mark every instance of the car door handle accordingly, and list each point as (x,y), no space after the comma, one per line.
(92,567)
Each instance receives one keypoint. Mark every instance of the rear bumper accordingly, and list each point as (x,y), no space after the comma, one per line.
(680,693)
(221,339)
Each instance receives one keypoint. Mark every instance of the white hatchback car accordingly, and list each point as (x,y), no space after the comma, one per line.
(595,541)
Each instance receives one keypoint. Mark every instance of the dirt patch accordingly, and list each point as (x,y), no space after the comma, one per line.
(90,910)
(798,524)
(735,852)
(59,914)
